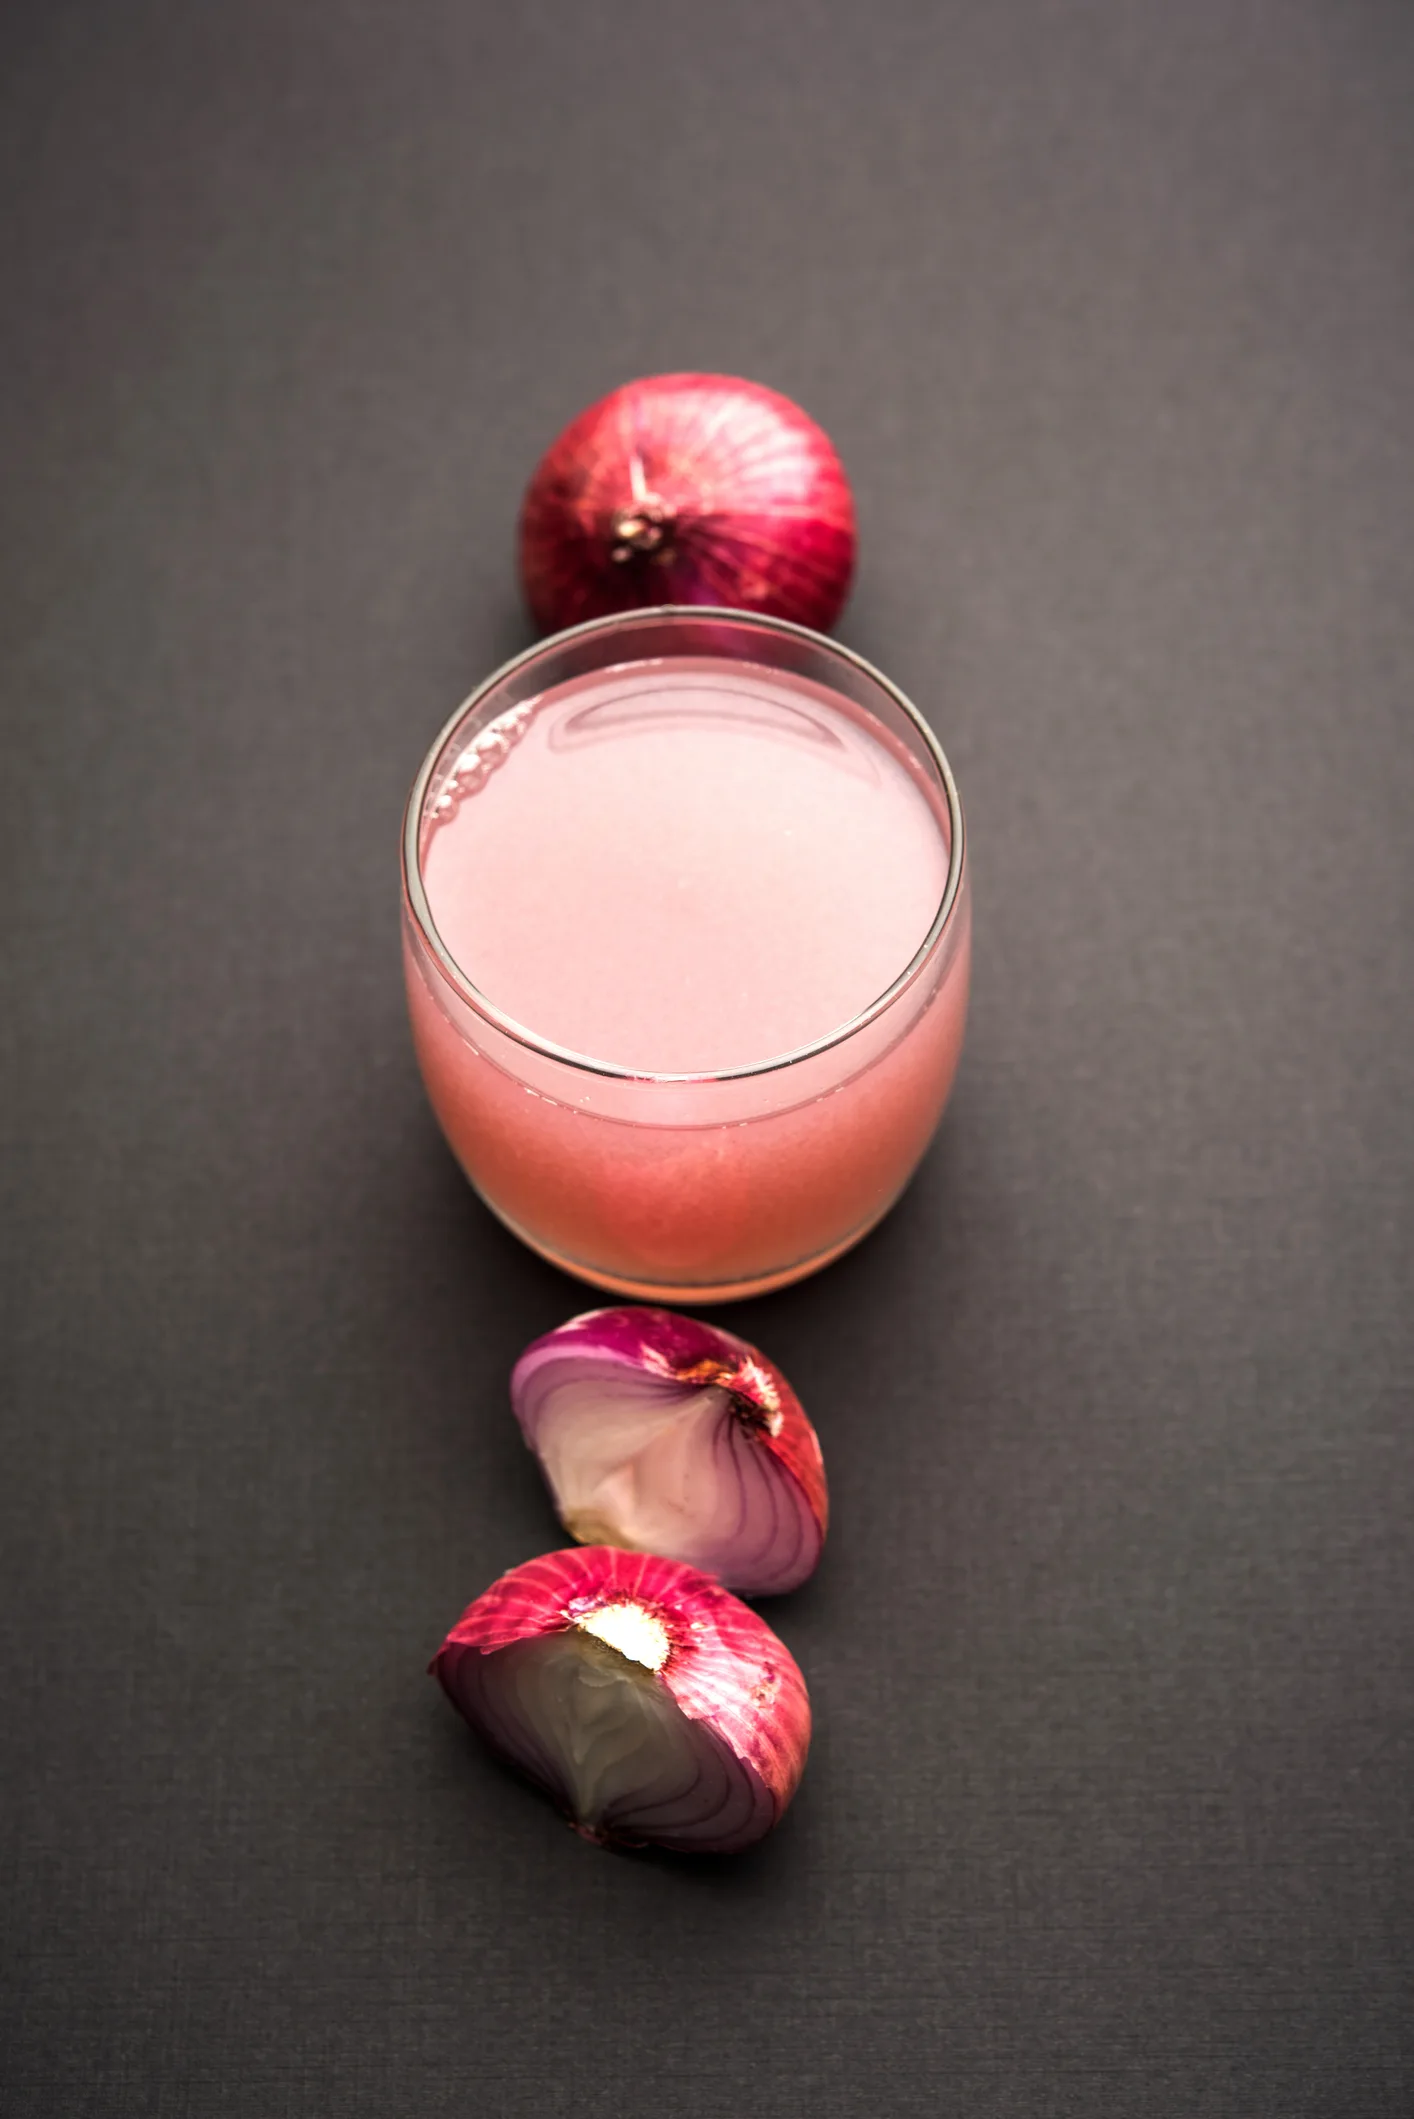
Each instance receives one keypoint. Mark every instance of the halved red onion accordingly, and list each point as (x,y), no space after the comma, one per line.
(662,1434)
(645,1699)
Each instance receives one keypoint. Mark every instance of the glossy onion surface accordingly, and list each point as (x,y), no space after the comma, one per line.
(666,1435)
(648,1702)
(701,489)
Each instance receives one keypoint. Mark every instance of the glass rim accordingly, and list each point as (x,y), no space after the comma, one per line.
(650,614)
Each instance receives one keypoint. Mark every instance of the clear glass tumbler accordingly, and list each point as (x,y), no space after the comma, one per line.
(704,1187)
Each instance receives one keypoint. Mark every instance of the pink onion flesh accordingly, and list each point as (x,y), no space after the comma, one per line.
(645,1699)
(662,1434)
(701,489)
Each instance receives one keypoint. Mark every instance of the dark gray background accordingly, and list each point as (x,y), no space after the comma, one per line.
(1110,310)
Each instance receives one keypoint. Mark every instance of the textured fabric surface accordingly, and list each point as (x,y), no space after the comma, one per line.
(1108,306)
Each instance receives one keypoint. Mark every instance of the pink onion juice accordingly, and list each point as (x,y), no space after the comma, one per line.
(681,869)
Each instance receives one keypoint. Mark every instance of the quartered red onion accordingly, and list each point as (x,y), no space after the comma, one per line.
(647,1701)
(666,1435)
(697,489)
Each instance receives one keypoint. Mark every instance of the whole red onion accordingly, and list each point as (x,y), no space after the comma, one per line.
(645,1699)
(668,1435)
(698,489)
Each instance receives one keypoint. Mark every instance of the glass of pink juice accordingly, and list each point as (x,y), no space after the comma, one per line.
(686,936)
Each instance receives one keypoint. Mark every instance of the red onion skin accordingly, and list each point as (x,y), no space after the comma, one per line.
(690,1352)
(696,489)
(725,1668)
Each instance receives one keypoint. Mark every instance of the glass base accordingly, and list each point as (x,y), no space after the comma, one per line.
(692,1292)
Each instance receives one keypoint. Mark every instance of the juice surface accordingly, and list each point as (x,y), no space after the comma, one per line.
(685,866)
